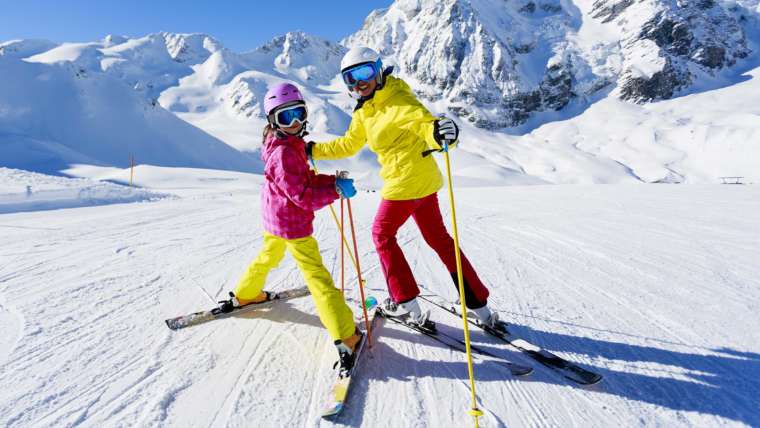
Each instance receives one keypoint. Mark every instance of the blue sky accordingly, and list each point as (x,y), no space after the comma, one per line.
(239,25)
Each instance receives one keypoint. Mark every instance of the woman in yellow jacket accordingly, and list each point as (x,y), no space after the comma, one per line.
(401,131)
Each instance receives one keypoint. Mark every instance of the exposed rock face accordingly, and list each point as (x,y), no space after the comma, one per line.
(669,45)
(497,63)
(493,62)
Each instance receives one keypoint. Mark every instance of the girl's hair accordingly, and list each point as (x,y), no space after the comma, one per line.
(267,129)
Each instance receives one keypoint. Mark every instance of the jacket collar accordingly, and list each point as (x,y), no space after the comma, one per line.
(379,94)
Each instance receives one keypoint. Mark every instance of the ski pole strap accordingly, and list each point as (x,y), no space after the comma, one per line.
(427,153)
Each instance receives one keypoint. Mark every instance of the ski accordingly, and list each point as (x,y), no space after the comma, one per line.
(338,396)
(215,314)
(459,345)
(566,368)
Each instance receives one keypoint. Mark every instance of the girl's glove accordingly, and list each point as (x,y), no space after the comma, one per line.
(445,132)
(345,187)
(308,146)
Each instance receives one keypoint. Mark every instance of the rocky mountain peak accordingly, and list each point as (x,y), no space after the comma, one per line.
(493,62)
(305,57)
(676,42)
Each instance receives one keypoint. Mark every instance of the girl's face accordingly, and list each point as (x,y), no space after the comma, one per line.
(293,129)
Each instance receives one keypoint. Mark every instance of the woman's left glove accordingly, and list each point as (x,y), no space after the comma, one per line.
(446,133)
(345,187)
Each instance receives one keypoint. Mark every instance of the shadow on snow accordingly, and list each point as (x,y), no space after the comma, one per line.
(724,383)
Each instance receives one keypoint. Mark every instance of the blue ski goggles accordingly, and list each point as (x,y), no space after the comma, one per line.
(286,117)
(361,73)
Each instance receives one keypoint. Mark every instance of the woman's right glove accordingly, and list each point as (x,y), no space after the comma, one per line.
(345,187)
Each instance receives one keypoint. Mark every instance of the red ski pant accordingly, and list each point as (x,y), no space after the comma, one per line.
(426,213)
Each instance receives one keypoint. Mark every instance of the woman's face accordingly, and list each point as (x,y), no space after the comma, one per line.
(365,88)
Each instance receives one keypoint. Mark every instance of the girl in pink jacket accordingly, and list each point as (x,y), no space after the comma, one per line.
(289,197)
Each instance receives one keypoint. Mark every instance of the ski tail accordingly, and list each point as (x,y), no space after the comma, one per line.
(339,392)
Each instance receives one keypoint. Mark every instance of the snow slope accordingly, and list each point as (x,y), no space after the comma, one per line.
(28,191)
(655,287)
(694,139)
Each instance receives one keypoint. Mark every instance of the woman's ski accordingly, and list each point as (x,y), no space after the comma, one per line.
(459,345)
(567,368)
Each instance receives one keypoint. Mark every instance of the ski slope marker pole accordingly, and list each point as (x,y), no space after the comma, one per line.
(131,169)
(475,412)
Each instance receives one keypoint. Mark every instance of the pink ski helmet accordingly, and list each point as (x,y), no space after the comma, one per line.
(280,94)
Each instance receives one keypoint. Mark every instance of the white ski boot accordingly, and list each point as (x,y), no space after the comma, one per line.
(489,319)
(410,313)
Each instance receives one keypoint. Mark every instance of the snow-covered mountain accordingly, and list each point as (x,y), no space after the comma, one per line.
(514,73)
(669,45)
(70,105)
(224,95)
(496,63)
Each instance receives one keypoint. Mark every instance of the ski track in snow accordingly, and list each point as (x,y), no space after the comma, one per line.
(653,286)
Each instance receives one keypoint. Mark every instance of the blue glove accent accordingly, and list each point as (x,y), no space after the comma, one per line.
(345,187)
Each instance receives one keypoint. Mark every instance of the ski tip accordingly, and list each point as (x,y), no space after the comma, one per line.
(170,324)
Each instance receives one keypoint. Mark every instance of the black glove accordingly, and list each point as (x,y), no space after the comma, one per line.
(446,133)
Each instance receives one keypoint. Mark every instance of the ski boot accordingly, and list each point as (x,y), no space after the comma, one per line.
(489,319)
(229,305)
(409,313)
(347,353)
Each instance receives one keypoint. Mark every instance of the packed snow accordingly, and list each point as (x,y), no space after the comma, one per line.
(653,286)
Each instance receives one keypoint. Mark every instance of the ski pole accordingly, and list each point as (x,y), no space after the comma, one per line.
(342,250)
(356,251)
(359,272)
(337,223)
(475,412)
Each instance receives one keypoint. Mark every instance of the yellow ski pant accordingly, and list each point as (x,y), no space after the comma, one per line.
(331,307)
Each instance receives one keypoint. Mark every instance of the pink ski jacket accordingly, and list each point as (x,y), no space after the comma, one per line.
(292,191)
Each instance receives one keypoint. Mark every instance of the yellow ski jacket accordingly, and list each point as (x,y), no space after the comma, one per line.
(398,128)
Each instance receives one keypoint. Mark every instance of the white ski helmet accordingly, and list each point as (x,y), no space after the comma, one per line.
(358,55)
